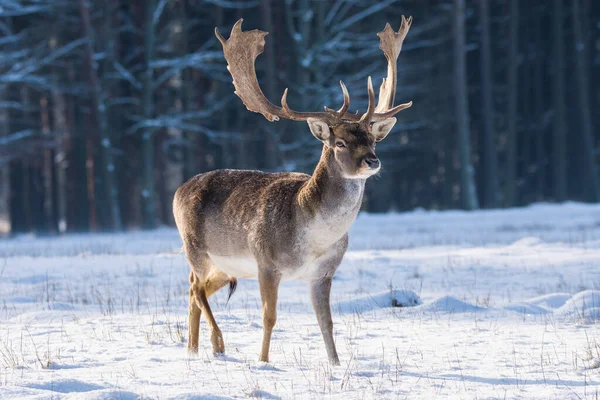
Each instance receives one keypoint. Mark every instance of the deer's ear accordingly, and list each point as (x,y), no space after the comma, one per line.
(319,129)
(380,129)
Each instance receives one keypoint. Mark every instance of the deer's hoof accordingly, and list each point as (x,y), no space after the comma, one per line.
(217,344)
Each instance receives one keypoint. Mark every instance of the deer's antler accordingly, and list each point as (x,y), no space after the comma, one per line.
(390,43)
(241,50)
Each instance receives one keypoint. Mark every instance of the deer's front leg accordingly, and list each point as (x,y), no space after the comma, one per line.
(269,285)
(319,293)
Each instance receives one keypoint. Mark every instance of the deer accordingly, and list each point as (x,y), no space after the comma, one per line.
(282,225)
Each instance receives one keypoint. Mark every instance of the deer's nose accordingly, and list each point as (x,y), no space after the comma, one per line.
(372,161)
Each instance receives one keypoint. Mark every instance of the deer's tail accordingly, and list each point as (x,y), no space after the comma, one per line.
(232,287)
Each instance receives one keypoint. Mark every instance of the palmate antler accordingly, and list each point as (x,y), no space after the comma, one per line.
(390,43)
(242,48)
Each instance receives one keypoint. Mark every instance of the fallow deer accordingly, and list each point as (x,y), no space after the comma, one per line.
(286,225)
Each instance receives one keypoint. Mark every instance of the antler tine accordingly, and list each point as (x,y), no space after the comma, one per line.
(374,116)
(220,37)
(289,113)
(392,112)
(342,111)
(391,45)
(371,109)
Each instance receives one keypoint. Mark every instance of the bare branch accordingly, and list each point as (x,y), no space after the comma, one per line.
(194,60)
(125,74)
(17,136)
(362,15)
(233,4)
(158,12)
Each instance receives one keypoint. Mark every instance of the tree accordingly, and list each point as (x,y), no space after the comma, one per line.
(193,146)
(107,197)
(467,179)
(137,93)
(513,90)
(559,150)
(592,181)
(490,163)
(147,168)
(270,160)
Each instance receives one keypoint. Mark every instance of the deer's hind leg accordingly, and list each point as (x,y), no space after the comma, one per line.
(194,312)
(205,280)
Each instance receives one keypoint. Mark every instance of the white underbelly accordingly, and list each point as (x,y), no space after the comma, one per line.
(237,267)
(304,272)
(246,267)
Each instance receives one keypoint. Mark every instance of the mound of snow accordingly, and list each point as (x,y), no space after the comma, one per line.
(66,386)
(591,315)
(107,394)
(551,300)
(526,307)
(526,242)
(393,298)
(583,306)
(450,304)
(540,305)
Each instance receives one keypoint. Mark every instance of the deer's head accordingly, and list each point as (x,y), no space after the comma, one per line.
(352,137)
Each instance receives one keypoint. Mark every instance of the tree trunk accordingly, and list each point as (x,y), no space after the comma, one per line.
(50,224)
(108,133)
(16,118)
(62,143)
(559,152)
(37,196)
(129,166)
(490,162)
(148,196)
(467,181)
(592,182)
(191,140)
(79,202)
(107,198)
(269,147)
(513,90)
(540,136)
(18,222)
(527,87)
(76,199)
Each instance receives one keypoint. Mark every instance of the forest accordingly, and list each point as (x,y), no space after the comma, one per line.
(106,107)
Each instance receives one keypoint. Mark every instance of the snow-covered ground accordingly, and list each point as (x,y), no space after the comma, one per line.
(497,304)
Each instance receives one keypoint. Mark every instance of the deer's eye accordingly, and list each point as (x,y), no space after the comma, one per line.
(340,144)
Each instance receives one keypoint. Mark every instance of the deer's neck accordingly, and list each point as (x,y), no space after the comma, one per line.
(331,200)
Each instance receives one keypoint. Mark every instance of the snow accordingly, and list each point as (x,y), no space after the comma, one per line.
(450,304)
(486,304)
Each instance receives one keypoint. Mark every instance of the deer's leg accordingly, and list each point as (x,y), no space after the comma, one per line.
(206,280)
(319,293)
(269,285)
(200,266)
(215,281)
(193,316)
(216,337)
